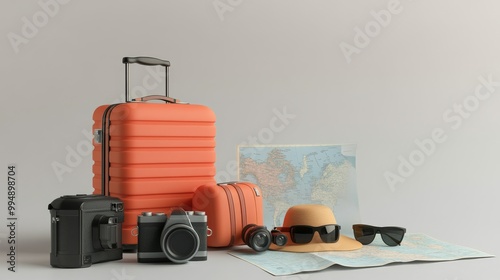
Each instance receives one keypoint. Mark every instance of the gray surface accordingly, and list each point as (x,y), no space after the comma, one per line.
(266,56)
(221,265)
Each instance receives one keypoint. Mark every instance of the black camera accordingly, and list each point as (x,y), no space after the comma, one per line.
(178,238)
(259,238)
(85,229)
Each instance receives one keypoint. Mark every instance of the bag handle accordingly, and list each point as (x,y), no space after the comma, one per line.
(157,97)
(146,61)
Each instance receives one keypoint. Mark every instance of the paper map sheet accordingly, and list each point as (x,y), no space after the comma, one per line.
(297,174)
(415,247)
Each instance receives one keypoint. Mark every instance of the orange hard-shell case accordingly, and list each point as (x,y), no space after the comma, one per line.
(229,208)
(154,155)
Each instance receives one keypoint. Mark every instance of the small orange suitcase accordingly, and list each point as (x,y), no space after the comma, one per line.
(229,208)
(153,155)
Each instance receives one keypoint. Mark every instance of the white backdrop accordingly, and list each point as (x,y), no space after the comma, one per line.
(415,84)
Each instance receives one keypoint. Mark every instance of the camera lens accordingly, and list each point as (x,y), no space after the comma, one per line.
(180,243)
(256,237)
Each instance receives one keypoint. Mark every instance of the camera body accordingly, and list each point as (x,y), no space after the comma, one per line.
(85,229)
(178,238)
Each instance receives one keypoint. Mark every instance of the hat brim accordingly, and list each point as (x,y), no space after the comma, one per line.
(343,244)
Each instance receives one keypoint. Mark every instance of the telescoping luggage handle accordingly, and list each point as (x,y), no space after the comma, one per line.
(147,61)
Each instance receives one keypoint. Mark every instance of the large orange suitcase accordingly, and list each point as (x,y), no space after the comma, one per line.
(153,156)
(229,208)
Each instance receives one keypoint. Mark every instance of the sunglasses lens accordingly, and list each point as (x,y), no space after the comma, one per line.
(301,234)
(392,236)
(364,234)
(329,234)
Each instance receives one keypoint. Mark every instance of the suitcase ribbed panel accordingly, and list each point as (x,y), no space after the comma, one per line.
(151,186)
(152,141)
(153,170)
(159,155)
(145,201)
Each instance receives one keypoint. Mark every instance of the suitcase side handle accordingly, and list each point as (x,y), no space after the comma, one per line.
(146,61)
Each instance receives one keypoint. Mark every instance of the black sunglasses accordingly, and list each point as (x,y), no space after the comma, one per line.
(304,234)
(391,236)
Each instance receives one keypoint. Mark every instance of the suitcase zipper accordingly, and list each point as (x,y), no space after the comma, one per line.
(106,122)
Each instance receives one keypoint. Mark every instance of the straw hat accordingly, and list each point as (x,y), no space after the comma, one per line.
(313,215)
